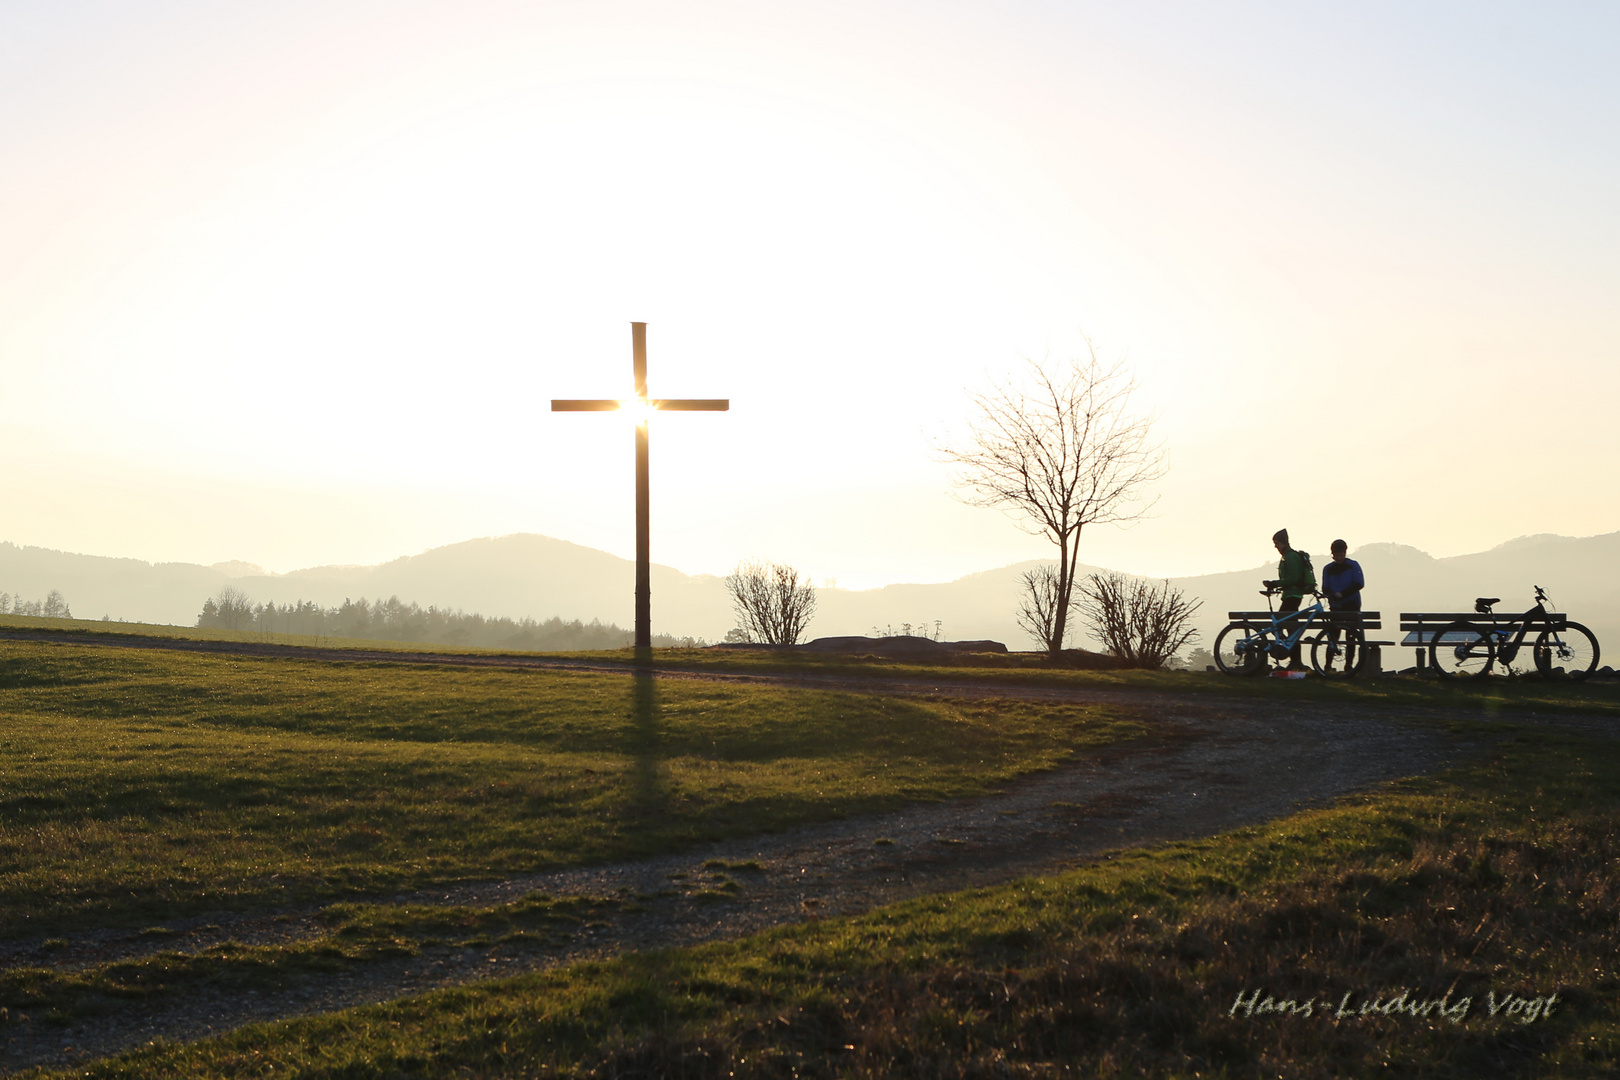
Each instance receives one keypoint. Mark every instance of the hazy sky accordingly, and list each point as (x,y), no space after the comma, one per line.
(293,283)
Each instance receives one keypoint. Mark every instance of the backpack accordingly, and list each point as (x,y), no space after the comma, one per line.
(1310,571)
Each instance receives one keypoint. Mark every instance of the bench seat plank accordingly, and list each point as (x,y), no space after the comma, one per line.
(1425,620)
(1363,620)
(1373,615)
(1422,639)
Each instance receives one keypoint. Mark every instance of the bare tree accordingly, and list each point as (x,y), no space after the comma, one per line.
(1139,622)
(1038,604)
(1060,450)
(232,610)
(773,604)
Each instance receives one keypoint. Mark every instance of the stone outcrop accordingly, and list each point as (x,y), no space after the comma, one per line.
(907,647)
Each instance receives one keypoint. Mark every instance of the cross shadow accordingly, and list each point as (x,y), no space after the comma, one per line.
(648,794)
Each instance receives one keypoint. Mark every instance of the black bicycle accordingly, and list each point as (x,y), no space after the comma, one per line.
(1472,648)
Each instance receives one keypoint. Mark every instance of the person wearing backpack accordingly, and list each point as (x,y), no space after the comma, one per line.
(1295,577)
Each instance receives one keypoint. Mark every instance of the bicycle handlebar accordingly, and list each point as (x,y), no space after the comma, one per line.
(1272,588)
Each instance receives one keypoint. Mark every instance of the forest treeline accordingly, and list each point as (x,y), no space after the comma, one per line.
(395,620)
(54,606)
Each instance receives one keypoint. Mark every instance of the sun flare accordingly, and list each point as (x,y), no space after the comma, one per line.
(638,409)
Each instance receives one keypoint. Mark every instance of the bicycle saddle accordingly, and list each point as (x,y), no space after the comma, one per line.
(1483,604)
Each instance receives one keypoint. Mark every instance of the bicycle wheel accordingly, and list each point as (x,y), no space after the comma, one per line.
(1461,651)
(1337,659)
(1239,651)
(1570,653)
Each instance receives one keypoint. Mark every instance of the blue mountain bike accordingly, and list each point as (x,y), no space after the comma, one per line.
(1243,648)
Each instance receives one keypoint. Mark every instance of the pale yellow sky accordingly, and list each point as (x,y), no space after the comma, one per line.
(293,283)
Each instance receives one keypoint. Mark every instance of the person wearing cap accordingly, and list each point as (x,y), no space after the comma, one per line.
(1343,581)
(1295,578)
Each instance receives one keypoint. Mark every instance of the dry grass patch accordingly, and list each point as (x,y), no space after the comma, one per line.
(1499,879)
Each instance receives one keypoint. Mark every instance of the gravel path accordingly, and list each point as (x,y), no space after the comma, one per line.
(1214,766)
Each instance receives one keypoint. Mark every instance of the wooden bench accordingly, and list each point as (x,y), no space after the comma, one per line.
(1421,627)
(1344,620)
(1371,651)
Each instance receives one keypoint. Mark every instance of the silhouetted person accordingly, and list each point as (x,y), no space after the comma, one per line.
(1295,578)
(1343,581)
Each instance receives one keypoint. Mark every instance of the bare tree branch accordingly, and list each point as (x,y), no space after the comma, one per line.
(1060,450)
(772,603)
(1142,624)
(234,610)
(1037,604)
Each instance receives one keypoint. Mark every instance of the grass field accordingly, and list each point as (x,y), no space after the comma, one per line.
(36,623)
(1487,697)
(1458,926)
(138,785)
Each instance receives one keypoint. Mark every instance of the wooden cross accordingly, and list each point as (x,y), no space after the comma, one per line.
(643,407)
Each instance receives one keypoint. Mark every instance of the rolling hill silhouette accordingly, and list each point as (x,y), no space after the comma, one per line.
(539,576)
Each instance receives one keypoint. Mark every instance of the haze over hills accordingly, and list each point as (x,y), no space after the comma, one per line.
(540,577)
(1578,574)
(513,576)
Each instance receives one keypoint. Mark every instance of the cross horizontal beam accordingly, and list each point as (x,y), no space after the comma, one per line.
(691,404)
(661,404)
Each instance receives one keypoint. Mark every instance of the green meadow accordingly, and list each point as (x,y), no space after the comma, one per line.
(1487,697)
(1457,925)
(137,785)
(1462,925)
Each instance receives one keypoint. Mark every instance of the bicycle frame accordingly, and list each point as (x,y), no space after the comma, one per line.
(1305,617)
(1501,628)
(1507,642)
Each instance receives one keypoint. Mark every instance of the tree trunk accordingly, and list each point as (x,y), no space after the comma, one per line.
(1066,568)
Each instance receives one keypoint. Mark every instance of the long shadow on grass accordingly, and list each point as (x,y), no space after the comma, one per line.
(648,793)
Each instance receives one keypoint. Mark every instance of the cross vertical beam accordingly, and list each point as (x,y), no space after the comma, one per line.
(638,340)
(644,407)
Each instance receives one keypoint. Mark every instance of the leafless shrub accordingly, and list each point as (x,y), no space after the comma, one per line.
(1061,450)
(1038,604)
(1141,623)
(773,604)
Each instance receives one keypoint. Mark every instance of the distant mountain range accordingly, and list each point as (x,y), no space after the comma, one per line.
(538,576)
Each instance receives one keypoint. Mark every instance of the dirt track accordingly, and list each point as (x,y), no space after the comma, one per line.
(1215,765)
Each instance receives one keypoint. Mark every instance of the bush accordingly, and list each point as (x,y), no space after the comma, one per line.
(773,604)
(1141,623)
